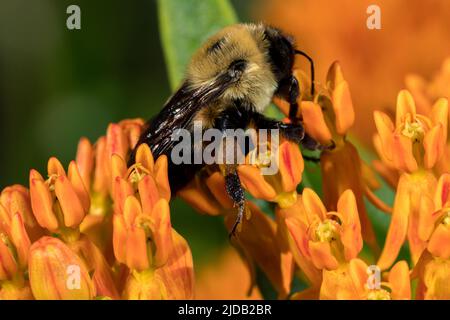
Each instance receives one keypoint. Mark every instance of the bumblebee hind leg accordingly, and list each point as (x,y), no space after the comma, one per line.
(236,192)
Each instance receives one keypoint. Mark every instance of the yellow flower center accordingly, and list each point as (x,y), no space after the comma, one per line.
(413,130)
(136,172)
(379,294)
(326,231)
(446,220)
(261,159)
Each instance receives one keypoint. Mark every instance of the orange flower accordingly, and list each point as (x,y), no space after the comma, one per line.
(350,281)
(280,187)
(434,265)
(14,246)
(425,93)
(60,202)
(16,199)
(328,239)
(415,141)
(412,146)
(327,119)
(159,259)
(56,272)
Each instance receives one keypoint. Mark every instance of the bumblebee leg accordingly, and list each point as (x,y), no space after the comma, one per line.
(236,193)
(291,131)
(294,92)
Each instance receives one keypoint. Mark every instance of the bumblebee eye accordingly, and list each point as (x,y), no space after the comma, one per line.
(236,68)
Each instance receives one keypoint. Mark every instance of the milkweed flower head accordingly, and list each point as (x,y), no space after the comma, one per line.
(412,146)
(98,229)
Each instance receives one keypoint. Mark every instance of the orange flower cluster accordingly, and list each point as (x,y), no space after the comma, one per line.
(99,230)
(103,230)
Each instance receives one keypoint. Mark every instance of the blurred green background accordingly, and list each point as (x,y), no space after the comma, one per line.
(57,85)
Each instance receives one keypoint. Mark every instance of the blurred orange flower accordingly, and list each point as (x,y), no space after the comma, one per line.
(434,264)
(375,61)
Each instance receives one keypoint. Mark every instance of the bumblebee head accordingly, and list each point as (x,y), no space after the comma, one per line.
(281,52)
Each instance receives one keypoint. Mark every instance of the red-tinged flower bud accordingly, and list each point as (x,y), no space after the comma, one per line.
(16,199)
(57,273)
(85,161)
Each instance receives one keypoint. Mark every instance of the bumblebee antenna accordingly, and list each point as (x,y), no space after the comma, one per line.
(311,62)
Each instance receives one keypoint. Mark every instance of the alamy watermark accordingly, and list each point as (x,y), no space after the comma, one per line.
(213,146)
(374,277)
(73,281)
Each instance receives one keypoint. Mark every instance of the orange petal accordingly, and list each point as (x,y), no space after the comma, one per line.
(402,154)
(439,244)
(132,129)
(426,219)
(162,232)
(443,191)
(290,165)
(102,172)
(55,167)
(216,184)
(20,203)
(118,167)
(405,106)
(398,227)
(119,238)
(433,144)
(178,273)
(314,122)
(116,141)
(357,270)
(400,282)
(439,114)
(313,205)
(20,239)
(51,266)
(8,266)
(351,234)
(162,178)
(132,209)
(5,219)
(199,199)
(79,186)
(144,157)
(70,203)
(298,244)
(385,129)
(343,108)
(298,232)
(137,254)
(321,255)
(121,190)
(42,204)
(334,75)
(254,182)
(85,161)
(148,193)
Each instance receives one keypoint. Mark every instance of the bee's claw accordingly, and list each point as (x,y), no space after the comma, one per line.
(237,223)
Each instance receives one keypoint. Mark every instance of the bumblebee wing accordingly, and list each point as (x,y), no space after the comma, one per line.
(179,112)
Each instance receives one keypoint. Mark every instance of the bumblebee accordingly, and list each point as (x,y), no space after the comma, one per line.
(229,82)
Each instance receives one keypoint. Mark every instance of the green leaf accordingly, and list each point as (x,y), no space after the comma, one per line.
(185,25)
